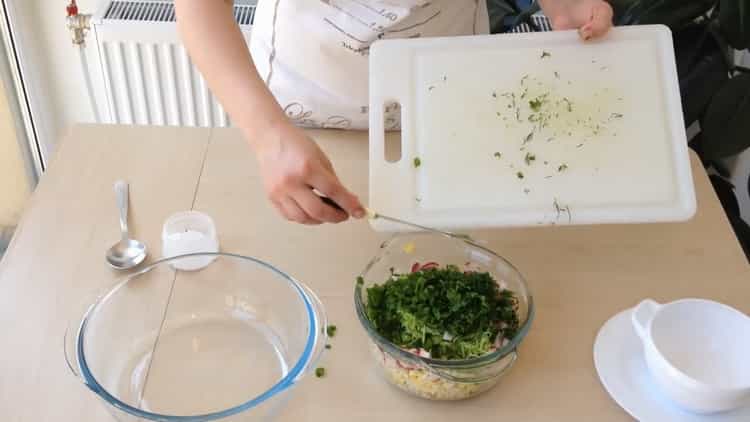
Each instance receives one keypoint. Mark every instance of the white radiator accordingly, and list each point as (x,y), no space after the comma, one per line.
(141,73)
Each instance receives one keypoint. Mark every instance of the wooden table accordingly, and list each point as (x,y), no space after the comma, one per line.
(580,276)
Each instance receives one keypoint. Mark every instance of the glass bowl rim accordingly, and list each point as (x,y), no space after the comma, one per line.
(476,362)
(287,381)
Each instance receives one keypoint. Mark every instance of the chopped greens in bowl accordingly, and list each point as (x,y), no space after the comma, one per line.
(449,313)
(444,315)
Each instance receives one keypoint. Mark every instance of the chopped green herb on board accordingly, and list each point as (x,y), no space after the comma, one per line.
(519,175)
(360,281)
(328,346)
(320,372)
(569,104)
(417,162)
(536,104)
(498,155)
(562,167)
(545,54)
(528,137)
(529,158)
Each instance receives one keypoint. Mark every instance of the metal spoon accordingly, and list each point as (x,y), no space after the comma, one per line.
(127,253)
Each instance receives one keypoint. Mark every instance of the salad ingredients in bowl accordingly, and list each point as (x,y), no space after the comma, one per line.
(444,315)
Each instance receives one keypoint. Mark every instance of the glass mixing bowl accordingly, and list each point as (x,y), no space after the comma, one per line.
(225,342)
(432,378)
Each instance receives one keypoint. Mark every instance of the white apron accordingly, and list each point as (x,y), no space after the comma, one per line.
(313,53)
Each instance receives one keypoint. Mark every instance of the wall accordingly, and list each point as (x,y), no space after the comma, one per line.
(14,181)
(51,65)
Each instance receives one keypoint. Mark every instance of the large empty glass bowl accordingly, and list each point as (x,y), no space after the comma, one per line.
(220,343)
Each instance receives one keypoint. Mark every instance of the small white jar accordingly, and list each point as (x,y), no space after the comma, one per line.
(189,232)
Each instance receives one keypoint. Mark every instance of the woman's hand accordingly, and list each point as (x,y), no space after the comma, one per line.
(592,18)
(292,165)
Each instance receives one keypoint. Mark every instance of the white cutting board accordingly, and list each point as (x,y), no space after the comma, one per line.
(608,143)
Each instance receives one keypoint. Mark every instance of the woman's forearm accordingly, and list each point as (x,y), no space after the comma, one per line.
(217,47)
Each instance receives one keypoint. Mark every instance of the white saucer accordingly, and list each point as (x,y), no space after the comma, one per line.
(618,357)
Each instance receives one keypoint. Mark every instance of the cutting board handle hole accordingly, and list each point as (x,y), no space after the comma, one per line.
(392,127)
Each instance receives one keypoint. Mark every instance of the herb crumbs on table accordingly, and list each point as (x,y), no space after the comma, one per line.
(545,54)
(494,94)
(529,158)
(331,331)
(498,155)
(616,115)
(526,191)
(417,162)
(328,346)
(519,175)
(320,372)
(557,75)
(562,167)
(528,137)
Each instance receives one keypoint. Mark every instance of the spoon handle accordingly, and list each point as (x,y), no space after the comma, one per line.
(121,192)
